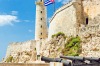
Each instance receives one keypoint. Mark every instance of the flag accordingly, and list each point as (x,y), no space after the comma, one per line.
(48,2)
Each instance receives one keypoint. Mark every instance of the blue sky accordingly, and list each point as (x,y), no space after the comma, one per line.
(17,21)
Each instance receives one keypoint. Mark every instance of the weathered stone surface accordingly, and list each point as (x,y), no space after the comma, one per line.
(53,47)
(71,20)
(22,51)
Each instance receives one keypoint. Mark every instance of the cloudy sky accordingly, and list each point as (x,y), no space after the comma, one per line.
(17,21)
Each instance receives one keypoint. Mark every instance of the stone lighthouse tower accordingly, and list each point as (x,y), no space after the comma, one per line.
(41,21)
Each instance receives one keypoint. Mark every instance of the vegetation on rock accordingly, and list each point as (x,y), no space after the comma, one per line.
(59,34)
(9,59)
(72,47)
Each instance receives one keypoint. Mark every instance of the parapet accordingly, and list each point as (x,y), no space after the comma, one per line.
(65,6)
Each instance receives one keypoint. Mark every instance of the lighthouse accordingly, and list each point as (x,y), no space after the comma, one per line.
(40,25)
(41,21)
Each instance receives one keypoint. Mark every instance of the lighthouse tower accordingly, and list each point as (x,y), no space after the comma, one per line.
(41,21)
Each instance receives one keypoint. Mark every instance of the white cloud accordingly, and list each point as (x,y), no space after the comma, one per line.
(8,20)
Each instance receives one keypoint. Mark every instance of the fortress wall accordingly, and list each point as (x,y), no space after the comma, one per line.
(71,18)
(91,9)
(74,14)
(90,33)
(17,47)
(65,20)
(61,9)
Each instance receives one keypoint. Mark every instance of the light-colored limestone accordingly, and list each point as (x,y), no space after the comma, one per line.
(69,19)
(22,51)
(66,19)
(41,21)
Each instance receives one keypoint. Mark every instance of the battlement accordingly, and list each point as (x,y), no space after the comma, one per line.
(61,9)
(65,6)
(16,47)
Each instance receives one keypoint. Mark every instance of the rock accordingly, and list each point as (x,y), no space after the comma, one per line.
(53,45)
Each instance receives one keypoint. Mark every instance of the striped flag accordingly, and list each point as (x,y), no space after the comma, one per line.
(48,2)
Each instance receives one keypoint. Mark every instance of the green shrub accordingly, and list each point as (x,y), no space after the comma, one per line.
(9,59)
(58,34)
(72,47)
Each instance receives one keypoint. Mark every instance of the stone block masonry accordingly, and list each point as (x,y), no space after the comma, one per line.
(21,51)
(66,19)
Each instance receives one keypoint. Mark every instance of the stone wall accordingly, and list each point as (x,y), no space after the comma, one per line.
(22,51)
(91,8)
(90,36)
(66,19)
(71,20)
(90,33)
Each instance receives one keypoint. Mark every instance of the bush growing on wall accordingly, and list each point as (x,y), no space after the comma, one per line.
(9,59)
(72,47)
(58,34)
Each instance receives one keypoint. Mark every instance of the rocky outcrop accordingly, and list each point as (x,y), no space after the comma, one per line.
(91,45)
(53,48)
(90,35)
